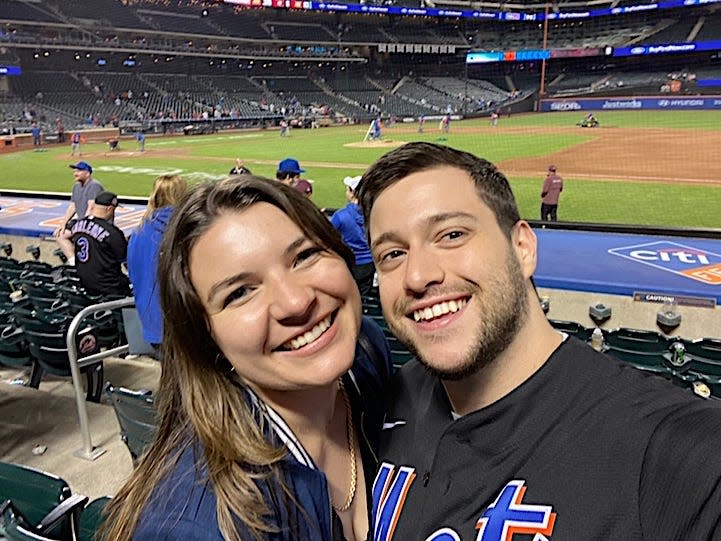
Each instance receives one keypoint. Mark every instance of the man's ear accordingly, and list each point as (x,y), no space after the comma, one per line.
(524,243)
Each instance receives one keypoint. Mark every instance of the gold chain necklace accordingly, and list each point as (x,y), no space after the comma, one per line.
(350,435)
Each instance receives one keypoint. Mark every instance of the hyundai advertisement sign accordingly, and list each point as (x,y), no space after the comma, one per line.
(631,104)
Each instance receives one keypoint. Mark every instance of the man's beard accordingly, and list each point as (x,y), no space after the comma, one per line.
(502,304)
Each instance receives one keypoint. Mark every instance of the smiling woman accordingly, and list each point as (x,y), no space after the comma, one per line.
(270,377)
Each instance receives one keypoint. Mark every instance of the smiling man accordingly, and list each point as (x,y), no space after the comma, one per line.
(507,430)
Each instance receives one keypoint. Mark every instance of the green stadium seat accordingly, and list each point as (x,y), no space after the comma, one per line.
(91,519)
(14,350)
(399,353)
(51,355)
(572,328)
(137,417)
(698,360)
(36,502)
(642,349)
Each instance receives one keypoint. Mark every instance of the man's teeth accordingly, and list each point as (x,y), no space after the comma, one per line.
(309,336)
(439,309)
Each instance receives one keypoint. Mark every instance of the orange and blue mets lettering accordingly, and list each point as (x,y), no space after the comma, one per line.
(500,521)
(508,516)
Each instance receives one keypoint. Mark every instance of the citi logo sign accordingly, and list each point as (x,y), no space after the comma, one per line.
(680,259)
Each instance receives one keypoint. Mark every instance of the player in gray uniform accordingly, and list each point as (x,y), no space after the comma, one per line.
(505,429)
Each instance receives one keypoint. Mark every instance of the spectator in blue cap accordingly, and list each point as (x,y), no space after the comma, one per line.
(289,171)
(86,189)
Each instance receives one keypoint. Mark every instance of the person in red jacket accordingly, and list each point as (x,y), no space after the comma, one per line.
(552,188)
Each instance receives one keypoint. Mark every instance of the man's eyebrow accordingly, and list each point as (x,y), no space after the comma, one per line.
(292,247)
(388,236)
(444,216)
(435,219)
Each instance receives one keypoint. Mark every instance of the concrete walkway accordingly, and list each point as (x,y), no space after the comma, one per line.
(48,417)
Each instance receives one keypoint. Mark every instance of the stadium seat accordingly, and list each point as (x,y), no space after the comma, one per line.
(640,348)
(51,355)
(698,360)
(137,417)
(371,306)
(14,350)
(704,348)
(38,503)
(37,266)
(92,518)
(107,324)
(399,353)
(572,328)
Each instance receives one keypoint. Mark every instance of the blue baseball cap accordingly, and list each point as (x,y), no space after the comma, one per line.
(82,166)
(290,165)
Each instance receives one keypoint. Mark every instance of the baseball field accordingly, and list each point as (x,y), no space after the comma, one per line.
(645,168)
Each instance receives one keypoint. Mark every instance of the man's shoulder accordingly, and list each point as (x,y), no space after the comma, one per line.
(411,385)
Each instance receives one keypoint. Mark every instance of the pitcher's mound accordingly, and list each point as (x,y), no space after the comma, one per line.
(387,143)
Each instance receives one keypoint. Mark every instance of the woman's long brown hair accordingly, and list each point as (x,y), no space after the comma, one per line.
(196,398)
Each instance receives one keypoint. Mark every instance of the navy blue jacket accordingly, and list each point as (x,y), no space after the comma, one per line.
(183,505)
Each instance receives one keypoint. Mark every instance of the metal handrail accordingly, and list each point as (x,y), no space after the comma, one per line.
(87,451)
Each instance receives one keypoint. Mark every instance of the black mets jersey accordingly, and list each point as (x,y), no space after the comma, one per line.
(585,449)
(100,249)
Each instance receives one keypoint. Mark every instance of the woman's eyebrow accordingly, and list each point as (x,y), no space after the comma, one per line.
(225,283)
(217,287)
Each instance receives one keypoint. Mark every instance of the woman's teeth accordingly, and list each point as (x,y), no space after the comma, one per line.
(310,336)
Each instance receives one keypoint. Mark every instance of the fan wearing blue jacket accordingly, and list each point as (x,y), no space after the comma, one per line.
(143,252)
(349,223)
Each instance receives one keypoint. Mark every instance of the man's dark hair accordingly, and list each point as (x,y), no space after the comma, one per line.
(491,185)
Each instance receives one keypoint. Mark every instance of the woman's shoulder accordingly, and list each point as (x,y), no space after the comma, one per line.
(183,505)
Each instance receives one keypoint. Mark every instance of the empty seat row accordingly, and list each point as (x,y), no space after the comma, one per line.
(39,506)
(695,363)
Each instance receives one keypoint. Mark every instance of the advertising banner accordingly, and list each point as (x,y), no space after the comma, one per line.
(629,103)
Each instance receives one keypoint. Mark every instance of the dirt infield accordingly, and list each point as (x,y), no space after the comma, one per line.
(383,143)
(638,154)
(653,155)
(615,154)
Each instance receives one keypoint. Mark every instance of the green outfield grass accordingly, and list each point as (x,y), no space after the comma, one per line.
(327,161)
